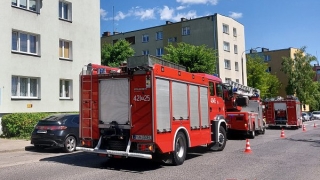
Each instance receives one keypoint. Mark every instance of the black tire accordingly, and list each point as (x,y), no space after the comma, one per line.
(180,150)
(222,139)
(70,144)
(252,133)
(263,131)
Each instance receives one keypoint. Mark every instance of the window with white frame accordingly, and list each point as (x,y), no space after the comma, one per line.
(225,28)
(237,80)
(25,87)
(159,35)
(172,39)
(159,52)
(267,58)
(145,38)
(186,31)
(235,48)
(227,64)
(65,10)
(228,79)
(226,46)
(65,89)
(31,5)
(234,32)
(236,66)
(25,42)
(65,49)
(145,52)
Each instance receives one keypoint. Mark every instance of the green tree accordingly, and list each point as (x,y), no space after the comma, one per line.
(114,55)
(195,58)
(300,76)
(258,77)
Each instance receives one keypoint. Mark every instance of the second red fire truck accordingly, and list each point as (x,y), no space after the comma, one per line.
(244,110)
(154,109)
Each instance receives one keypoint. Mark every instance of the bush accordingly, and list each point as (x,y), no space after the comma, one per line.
(20,125)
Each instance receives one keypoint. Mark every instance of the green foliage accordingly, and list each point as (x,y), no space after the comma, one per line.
(114,55)
(257,77)
(300,77)
(20,125)
(197,59)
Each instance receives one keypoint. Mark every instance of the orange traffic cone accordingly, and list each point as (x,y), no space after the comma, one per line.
(314,125)
(282,134)
(248,149)
(304,128)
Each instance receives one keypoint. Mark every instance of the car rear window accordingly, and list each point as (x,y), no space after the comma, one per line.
(316,112)
(54,120)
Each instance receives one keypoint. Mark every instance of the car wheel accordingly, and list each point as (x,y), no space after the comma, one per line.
(70,144)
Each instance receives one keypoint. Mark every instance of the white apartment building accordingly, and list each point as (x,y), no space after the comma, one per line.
(44,45)
(219,32)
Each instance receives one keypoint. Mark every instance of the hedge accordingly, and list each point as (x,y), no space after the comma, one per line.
(20,125)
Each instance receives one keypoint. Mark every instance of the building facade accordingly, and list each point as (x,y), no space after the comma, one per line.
(215,31)
(44,45)
(274,60)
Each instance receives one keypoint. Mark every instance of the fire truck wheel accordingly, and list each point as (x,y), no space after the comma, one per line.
(180,150)
(222,138)
(252,134)
(263,130)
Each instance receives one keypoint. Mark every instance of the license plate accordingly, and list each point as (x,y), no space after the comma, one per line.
(42,131)
(141,137)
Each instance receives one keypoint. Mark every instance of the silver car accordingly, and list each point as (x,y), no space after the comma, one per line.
(315,115)
(305,117)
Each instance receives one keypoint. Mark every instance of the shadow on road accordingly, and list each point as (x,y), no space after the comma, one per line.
(133,165)
(315,143)
(53,150)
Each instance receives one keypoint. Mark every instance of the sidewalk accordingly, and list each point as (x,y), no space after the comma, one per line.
(10,145)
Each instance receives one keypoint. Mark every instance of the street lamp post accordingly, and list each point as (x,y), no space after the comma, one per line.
(242,61)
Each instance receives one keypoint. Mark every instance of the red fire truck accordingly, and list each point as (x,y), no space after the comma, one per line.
(244,110)
(283,112)
(153,110)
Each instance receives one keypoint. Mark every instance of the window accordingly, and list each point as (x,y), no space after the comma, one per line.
(159,35)
(65,10)
(25,42)
(211,86)
(65,89)
(318,71)
(145,52)
(237,80)
(234,32)
(235,48)
(159,52)
(227,64)
(225,29)
(267,58)
(145,38)
(31,5)
(131,40)
(219,90)
(236,66)
(226,46)
(185,31)
(268,70)
(25,87)
(65,49)
(172,39)
(228,79)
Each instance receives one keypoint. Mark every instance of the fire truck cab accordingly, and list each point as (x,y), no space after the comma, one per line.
(154,110)
(283,112)
(244,110)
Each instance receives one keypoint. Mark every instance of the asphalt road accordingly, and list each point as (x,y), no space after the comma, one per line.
(296,156)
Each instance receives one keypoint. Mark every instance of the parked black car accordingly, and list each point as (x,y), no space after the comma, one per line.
(59,130)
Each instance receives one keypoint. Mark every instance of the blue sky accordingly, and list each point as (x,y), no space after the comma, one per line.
(274,24)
